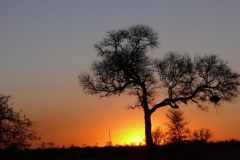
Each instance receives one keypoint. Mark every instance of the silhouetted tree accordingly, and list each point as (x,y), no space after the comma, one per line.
(51,144)
(159,136)
(202,135)
(124,66)
(108,144)
(177,126)
(42,145)
(15,129)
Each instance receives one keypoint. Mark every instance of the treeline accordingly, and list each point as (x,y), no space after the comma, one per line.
(176,130)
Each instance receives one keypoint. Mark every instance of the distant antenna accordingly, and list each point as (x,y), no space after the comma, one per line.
(110,142)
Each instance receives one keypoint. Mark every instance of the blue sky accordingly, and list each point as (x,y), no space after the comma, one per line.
(44,45)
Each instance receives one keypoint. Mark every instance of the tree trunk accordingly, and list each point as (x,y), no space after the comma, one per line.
(148,129)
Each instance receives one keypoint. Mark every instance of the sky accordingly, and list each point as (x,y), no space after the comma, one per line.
(45,45)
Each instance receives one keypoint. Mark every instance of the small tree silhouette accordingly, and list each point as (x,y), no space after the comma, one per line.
(202,135)
(109,144)
(160,136)
(177,126)
(51,144)
(177,131)
(42,145)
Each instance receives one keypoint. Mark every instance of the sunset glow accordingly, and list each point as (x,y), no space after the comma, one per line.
(45,45)
(131,137)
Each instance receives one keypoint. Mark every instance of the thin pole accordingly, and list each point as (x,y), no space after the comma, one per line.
(110,142)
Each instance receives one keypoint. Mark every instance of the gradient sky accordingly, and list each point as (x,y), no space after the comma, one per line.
(44,45)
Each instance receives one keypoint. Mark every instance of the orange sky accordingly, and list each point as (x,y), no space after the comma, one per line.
(44,45)
(90,124)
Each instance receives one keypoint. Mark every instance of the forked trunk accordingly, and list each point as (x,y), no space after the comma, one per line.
(148,129)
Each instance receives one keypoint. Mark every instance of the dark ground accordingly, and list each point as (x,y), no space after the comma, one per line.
(192,151)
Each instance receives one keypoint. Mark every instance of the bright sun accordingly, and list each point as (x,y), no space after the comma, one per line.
(137,140)
(132,138)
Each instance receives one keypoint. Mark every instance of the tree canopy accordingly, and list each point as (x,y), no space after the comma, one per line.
(125,66)
(204,79)
(16,130)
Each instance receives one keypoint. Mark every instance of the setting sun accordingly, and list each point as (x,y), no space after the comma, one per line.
(131,137)
(135,140)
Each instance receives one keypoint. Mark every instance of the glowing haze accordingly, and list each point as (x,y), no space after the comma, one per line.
(44,45)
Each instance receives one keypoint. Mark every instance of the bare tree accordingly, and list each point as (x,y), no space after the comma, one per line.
(159,136)
(125,66)
(177,126)
(15,129)
(202,135)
